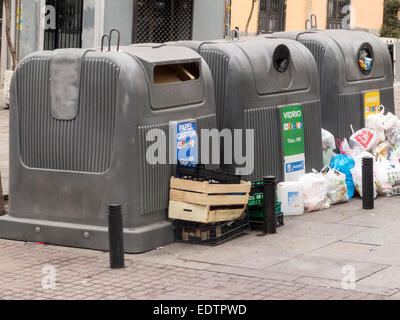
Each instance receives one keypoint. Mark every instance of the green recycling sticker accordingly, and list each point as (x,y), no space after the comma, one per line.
(293,141)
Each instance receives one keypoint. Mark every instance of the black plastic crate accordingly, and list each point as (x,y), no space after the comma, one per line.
(258,223)
(200,173)
(211,234)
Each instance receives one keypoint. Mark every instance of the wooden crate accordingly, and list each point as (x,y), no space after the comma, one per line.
(204,202)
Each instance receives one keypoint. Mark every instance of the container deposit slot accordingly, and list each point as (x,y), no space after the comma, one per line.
(174,73)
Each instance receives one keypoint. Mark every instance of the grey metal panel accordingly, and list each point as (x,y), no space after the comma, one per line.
(153,178)
(218,64)
(268,155)
(387,99)
(83,144)
(318,51)
(207,122)
(350,113)
(312,135)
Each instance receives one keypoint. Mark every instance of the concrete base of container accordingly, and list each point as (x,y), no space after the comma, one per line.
(136,240)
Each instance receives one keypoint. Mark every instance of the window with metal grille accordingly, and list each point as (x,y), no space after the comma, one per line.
(163,20)
(272,16)
(68,32)
(335,13)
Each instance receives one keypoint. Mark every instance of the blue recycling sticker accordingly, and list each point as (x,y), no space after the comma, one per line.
(295,166)
(187,142)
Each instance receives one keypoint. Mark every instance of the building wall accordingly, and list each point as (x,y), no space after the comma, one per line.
(240,15)
(28,35)
(296,14)
(208,19)
(88,20)
(119,14)
(320,9)
(368,14)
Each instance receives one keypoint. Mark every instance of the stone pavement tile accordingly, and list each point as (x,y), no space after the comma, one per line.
(331,284)
(387,253)
(326,268)
(387,278)
(377,236)
(335,214)
(320,230)
(249,257)
(374,219)
(395,296)
(260,252)
(343,250)
(262,274)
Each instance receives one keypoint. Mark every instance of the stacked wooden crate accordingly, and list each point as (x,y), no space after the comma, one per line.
(211,206)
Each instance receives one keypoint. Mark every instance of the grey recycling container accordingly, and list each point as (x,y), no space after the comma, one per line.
(81,124)
(257,82)
(349,90)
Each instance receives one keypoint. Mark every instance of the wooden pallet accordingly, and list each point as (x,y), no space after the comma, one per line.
(206,203)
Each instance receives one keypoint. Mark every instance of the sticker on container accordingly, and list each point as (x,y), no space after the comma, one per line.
(372,103)
(186,142)
(293,142)
(294,199)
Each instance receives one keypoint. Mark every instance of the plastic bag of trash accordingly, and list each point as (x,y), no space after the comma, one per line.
(315,190)
(328,145)
(345,149)
(395,156)
(357,174)
(383,150)
(391,121)
(393,136)
(388,178)
(364,139)
(328,140)
(376,122)
(344,163)
(337,188)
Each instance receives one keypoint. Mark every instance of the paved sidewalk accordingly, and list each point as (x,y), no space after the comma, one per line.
(305,260)
(83,274)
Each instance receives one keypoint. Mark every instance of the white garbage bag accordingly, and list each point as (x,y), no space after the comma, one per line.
(357,173)
(337,188)
(315,191)
(376,122)
(388,177)
(365,139)
(328,146)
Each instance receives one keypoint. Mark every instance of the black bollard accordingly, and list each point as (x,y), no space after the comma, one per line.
(116,236)
(368,183)
(269,205)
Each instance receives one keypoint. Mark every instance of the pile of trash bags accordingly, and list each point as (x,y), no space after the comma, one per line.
(341,178)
